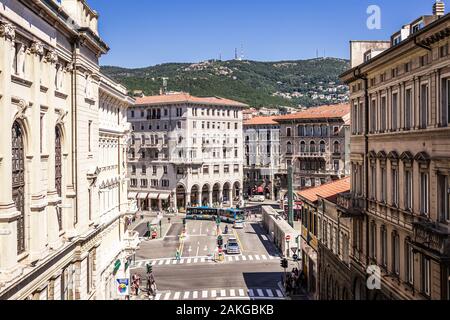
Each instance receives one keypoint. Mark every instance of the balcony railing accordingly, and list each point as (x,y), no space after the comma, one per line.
(432,236)
(312,154)
(350,204)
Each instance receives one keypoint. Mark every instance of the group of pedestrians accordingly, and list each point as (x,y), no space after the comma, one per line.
(135,284)
(295,280)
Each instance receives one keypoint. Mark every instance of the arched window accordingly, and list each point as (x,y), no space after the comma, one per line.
(322,146)
(336,147)
(302,146)
(312,147)
(289,148)
(18,182)
(58,172)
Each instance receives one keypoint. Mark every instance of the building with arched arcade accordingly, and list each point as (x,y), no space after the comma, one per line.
(185,151)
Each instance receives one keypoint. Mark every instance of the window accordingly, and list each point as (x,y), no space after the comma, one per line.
(194,124)
(373,181)
(396,253)
(312,147)
(236,126)
(165,169)
(423,106)
(132,113)
(443,51)
(229,126)
(301,131)
(394,192)
(226,168)
(89,135)
(144,183)
(383,185)
(415,28)
(424,194)
(408,67)
(426,276)
(336,165)
(288,132)
(165,183)
(144,170)
(216,169)
(373,241)
(155,183)
(235,152)
(373,111)
(396,40)
(133,183)
(133,169)
(394,111)
(384,246)
(289,148)
(179,125)
(383,115)
(336,147)
(409,264)
(423,60)
(90,271)
(206,170)
(41,141)
(443,197)
(445,110)
(408,109)
(236,168)
(408,190)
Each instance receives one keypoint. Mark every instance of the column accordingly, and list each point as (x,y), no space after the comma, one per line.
(210,196)
(199,198)
(8,211)
(220,200)
(187,201)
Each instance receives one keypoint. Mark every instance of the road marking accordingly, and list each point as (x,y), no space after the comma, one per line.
(223,293)
(264,238)
(272,258)
(189,260)
(264,257)
(244,258)
(168,262)
(190,249)
(232,293)
(237,258)
(229,258)
(269,292)
(260,292)
(176,296)
(195,260)
(186,295)
(239,240)
(257,257)
(213,293)
(158,296)
(250,257)
(161,263)
(167,296)
(279,293)
(241,293)
(251,293)
(206,248)
(153,263)
(181,261)
(205,294)
(198,249)
(202,260)
(195,295)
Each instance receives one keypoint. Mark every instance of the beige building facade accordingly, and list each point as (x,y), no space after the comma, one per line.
(400,155)
(62,155)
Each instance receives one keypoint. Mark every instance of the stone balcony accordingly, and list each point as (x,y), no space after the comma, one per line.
(312,154)
(350,205)
(432,236)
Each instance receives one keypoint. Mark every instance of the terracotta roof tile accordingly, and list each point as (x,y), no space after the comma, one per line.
(329,190)
(260,121)
(332,111)
(187,98)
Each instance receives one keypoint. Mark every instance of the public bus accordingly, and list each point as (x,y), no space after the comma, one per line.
(207,213)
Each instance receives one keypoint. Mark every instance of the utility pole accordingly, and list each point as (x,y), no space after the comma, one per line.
(290,197)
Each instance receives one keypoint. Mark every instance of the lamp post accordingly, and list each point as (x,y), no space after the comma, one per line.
(290,197)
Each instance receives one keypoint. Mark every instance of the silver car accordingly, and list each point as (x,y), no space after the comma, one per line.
(233,246)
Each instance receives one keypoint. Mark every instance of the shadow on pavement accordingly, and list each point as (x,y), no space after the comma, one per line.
(268,245)
(262,279)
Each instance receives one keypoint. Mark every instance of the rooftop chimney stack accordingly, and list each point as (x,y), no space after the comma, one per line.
(439,8)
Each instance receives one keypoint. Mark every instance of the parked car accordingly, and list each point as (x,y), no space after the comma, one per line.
(232,246)
(239,224)
(258,198)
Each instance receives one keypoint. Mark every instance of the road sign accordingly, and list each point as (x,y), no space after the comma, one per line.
(295,257)
(288,238)
(294,250)
(123,286)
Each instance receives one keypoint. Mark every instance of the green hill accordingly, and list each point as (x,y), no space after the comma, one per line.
(259,84)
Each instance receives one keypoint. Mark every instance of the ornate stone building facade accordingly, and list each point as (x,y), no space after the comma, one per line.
(400,155)
(62,155)
(186,151)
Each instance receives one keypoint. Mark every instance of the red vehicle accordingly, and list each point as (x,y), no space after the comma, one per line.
(154,235)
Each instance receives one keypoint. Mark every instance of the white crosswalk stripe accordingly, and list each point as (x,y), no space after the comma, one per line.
(264,257)
(272,257)
(241,293)
(237,258)
(254,293)
(176,296)
(189,261)
(202,260)
(250,258)
(251,293)
(232,293)
(205,294)
(229,258)
(161,263)
(257,257)
(195,295)
(181,261)
(175,262)
(168,262)
(260,292)
(213,293)
(167,296)
(279,293)
(269,293)
(158,296)
(244,258)
(223,293)
(186,295)
(195,260)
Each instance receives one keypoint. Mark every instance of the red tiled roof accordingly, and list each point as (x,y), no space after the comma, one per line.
(260,121)
(187,98)
(326,191)
(332,111)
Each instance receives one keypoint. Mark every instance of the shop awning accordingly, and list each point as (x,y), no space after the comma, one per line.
(153,196)
(164,196)
(260,189)
(142,195)
(132,195)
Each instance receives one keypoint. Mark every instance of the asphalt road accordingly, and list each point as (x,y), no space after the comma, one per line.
(253,274)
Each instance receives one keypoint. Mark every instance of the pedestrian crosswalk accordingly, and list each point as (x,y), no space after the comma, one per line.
(228,294)
(204,260)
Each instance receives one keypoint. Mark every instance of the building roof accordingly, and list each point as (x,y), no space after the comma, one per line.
(322,112)
(327,191)
(260,121)
(187,98)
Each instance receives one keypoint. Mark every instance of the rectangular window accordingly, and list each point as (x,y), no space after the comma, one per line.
(410,264)
(226,168)
(373,175)
(426,276)
(373,241)
(154,183)
(383,115)
(383,185)
(206,170)
(424,194)
(443,197)
(165,170)
(194,124)
(423,106)
(384,247)
(408,190)
(165,183)
(144,183)
(236,168)
(445,110)
(395,186)
(408,109)
(133,183)
(216,169)
(396,253)
(89,135)
(373,112)
(394,111)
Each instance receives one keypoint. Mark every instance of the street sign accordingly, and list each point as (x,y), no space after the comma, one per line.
(123,287)
(295,257)
(288,238)
(294,250)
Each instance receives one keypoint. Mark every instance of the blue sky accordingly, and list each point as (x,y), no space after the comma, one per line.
(148,32)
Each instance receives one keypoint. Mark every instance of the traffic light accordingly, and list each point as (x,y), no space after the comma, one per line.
(219,241)
(149,268)
(284,263)
(184,221)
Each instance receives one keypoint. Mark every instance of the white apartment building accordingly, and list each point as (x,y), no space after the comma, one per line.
(186,151)
(262,156)
(62,155)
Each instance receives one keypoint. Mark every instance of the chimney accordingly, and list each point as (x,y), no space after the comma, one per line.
(439,8)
